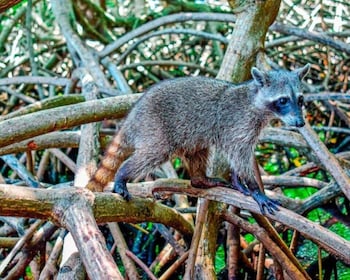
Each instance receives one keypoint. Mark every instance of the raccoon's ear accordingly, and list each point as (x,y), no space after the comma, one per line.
(302,72)
(259,77)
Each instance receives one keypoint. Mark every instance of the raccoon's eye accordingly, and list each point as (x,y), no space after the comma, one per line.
(283,101)
(301,101)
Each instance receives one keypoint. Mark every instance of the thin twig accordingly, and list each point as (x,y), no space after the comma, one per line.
(327,159)
(29,233)
(140,264)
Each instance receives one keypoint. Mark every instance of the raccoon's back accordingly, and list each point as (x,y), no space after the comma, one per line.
(183,111)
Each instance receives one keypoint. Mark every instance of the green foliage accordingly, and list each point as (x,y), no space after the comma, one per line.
(341,229)
(29,274)
(299,193)
(249,237)
(322,136)
(307,252)
(220,261)
(277,163)
(177,163)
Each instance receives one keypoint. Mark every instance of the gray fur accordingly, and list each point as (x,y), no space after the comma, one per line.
(187,116)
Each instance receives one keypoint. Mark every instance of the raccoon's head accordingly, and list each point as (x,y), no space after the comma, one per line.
(280,93)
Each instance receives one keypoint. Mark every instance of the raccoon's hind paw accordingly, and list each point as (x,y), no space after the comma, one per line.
(265,202)
(121,189)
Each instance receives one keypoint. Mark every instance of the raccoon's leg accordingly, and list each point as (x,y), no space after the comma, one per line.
(237,185)
(262,200)
(120,180)
(197,164)
(140,163)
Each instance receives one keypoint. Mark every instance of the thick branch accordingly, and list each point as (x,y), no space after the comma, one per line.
(247,40)
(322,236)
(48,103)
(74,212)
(39,203)
(61,139)
(17,129)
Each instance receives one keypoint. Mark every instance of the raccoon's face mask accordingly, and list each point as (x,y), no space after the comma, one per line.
(280,93)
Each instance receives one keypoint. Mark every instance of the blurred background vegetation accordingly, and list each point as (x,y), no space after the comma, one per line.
(31,44)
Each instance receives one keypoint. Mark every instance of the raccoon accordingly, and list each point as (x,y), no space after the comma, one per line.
(185,117)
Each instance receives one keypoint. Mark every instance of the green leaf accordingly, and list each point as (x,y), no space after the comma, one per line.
(220,262)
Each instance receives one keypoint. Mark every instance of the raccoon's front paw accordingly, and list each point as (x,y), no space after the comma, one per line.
(265,202)
(121,189)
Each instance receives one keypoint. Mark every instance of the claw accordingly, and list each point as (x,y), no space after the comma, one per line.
(121,189)
(265,202)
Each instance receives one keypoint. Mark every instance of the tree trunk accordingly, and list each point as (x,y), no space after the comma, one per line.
(247,40)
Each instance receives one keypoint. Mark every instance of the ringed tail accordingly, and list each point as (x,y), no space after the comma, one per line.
(112,159)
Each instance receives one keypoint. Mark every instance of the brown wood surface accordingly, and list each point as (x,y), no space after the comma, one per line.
(4,5)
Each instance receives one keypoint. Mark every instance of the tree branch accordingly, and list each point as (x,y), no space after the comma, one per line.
(17,129)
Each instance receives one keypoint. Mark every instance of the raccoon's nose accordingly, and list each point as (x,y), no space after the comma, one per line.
(300,123)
